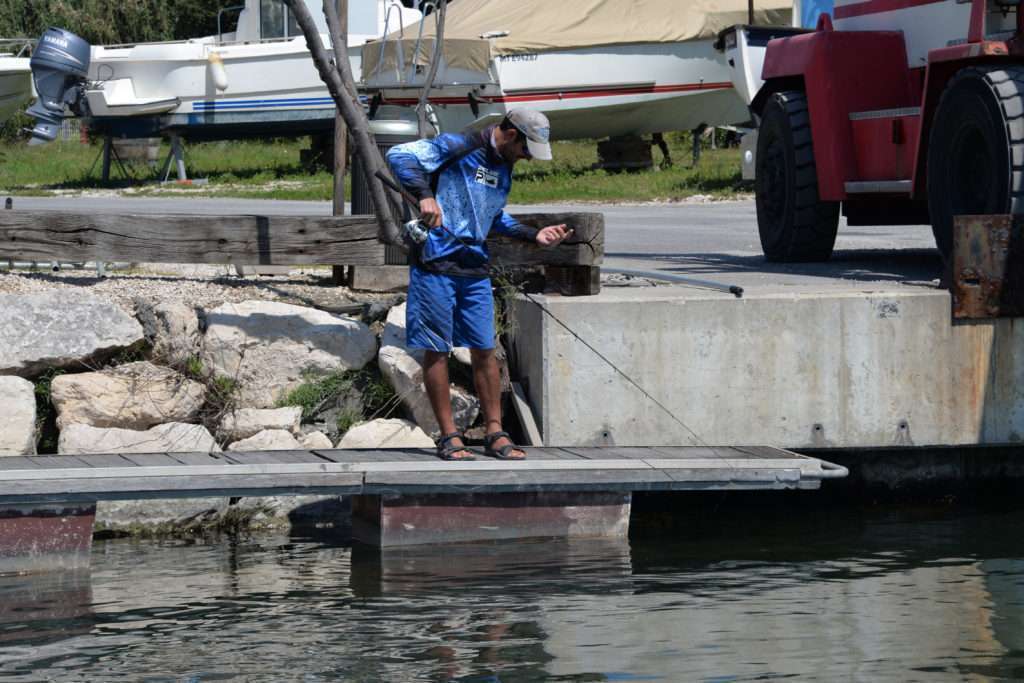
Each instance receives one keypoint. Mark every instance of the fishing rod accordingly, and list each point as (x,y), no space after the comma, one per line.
(413,229)
(735,290)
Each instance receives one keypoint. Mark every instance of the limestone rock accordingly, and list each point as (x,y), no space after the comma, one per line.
(269,347)
(386,433)
(267,440)
(174,515)
(175,437)
(401,367)
(295,512)
(132,396)
(17,416)
(171,328)
(315,440)
(60,329)
(242,423)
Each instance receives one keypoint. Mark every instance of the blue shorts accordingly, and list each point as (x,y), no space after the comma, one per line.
(445,311)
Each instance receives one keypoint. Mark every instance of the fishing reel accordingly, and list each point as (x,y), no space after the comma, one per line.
(415,231)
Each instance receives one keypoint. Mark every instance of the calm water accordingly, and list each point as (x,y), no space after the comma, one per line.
(918,594)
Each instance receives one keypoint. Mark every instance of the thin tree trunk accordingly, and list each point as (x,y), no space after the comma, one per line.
(340,145)
(341,85)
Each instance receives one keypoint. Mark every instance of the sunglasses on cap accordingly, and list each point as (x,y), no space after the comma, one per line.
(521,139)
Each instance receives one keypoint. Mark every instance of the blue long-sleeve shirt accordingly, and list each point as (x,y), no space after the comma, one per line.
(471,189)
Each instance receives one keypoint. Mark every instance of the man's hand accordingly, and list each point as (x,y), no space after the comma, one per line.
(553,235)
(430,212)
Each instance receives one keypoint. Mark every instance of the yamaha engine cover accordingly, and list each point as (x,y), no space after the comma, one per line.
(60,64)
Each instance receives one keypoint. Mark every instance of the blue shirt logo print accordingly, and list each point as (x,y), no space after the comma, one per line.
(486,176)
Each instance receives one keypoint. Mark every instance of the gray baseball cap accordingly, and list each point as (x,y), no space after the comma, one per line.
(536,128)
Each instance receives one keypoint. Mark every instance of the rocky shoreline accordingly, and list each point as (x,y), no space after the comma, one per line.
(157,359)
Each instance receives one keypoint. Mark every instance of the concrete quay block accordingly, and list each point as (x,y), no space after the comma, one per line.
(795,368)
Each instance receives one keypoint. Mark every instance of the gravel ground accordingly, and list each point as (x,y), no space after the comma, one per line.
(197,286)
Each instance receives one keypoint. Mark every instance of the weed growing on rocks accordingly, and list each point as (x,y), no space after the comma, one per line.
(46,416)
(347,419)
(194,368)
(343,398)
(317,391)
(380,396)
(221,391)
(132,354)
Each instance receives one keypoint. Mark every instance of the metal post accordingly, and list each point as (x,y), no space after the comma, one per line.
(697,132)
(9,204)
(179,157)
(107,144)
(340,145)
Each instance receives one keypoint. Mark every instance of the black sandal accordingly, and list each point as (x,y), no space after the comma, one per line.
(446,450)
(503,452)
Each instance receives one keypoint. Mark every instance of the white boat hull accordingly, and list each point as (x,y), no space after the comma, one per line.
(744,48)
(173,86)
(228,86)
(586,93)
(596,92)
(15,85)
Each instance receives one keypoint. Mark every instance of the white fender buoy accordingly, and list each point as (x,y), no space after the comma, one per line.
(217,71)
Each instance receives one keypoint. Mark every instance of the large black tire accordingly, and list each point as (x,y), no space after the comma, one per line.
(976,148)
(794,224)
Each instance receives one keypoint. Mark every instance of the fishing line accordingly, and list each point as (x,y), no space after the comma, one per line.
(613,366)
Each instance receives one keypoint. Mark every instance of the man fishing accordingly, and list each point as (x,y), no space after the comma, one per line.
(462,183)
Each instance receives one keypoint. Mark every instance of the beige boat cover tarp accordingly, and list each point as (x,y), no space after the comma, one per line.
(542,25)
(474,55)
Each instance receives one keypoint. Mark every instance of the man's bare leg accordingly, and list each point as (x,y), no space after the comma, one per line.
(435,380)
(487,380)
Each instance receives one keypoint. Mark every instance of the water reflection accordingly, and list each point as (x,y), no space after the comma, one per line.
(913,595)
(502,589)
(38,613)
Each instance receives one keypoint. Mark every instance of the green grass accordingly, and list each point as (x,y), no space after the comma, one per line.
(316,392)
(271,170)
(570,176)
(256,169)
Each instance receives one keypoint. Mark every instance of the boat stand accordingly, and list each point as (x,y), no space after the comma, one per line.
(178,154)
(109,153)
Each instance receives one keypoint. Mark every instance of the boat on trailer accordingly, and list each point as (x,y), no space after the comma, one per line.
(257,80)
(596,68)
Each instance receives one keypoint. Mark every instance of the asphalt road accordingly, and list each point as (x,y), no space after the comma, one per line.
(714,241)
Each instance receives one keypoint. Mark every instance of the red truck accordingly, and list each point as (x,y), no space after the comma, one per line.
(893,112)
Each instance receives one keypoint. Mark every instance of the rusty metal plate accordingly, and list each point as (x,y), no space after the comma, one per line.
(988,267)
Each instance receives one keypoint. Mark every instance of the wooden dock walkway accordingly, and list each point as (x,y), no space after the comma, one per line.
(85,478)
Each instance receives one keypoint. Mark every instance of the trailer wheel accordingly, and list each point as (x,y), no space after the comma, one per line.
(794,224)
(976,148)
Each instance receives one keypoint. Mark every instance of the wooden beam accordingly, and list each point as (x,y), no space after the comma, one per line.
(184,238)
(572,280)
(257,240)
(585,247)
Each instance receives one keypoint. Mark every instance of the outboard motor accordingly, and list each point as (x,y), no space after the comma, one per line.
(60,64)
